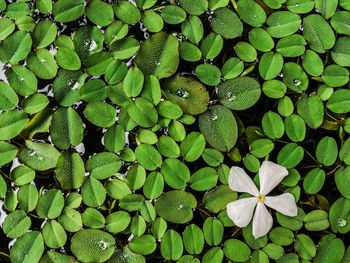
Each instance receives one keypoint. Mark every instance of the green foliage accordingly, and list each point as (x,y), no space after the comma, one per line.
(119,123)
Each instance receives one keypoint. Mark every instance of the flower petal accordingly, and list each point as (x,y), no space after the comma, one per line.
(241,211)
(239,181)
(262,221)
(284,203)
(270,175)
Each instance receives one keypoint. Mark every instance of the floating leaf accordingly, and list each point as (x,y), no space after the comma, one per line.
(28,248)
(176,206)
(226,23)
(158,55)
(39,156)
(219,127)
(91,245)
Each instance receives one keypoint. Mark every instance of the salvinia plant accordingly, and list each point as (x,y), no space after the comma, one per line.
(177,130)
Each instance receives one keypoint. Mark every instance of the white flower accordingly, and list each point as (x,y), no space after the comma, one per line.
(241,211)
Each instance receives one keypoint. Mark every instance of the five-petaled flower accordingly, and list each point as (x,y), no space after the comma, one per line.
(241,211)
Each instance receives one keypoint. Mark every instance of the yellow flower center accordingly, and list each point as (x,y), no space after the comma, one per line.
(261,198)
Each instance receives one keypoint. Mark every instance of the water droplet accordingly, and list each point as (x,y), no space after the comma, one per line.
(21,79)
(180,206)
(278,24)
(230,96)
(214,117)
(32,153)
(255,16)
(296,5)
(341,222)
(182,93)
(42,60)
(297,82)
(103,244)
(76,84)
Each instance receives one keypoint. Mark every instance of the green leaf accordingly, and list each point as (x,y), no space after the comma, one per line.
(214,254)
(194,7)
(93,218)
(28,248)
(176,173)
(16,224)
(93,90)
(66,128)
(208,74)
(270,65)
(341,52)
(236,250)
(212,45)
(11,124)
(116,188)
(204,179)
(193,29)
(318,33)
(316,220)
(274,88)
(114,139)
(67,11)
(239,93)
(42,63)
(44,34)
(54,234)
(311,110)
(131,202)
(124,48)
(260,39)
(103,165)
(192,146)
(70,219)
(34,103)
(291,46)
(335,76)
(294,77)
(50,204)
(189,51)
(283,23)
(127,12)
(339,215)
(327,151)
(143,245)
(117,221)
(173,14)
(312,63)
(15,47)
(153,186)
(87,41)
(295,128)
(193,239)
(272,125)
(232,68)
(93,192)
(22,175)
(176,206)
(44,6)
(158,55)
(121,255)
(340,22)
(39,156)
(342,180)
(142,112)
(189,94)
(219,128)
(115,72)
(68,59)
(100,114)
(290,155)
(330,248)
(251,13)
(213,231)
(27,197)
(171,246)
(66,86)
(152,21)
(226,23)
(148,157)
(91,245)
(6,28)
(314,180)
(133,82)
(217,199)
(326,8)
(70,171)
(305,246)
(99,12)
